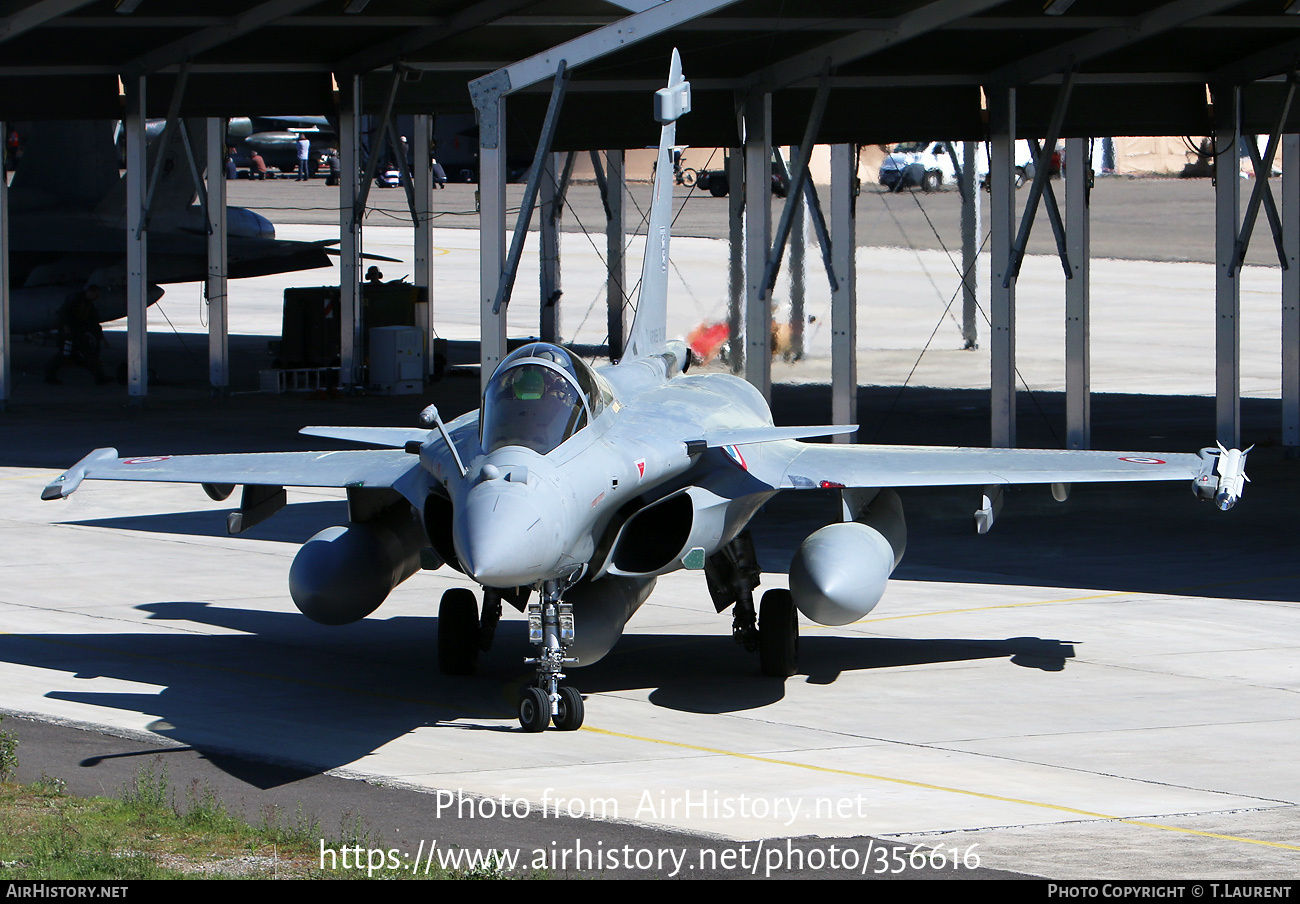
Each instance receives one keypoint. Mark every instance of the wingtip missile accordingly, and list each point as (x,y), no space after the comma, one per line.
(1232,477)
(1223,475)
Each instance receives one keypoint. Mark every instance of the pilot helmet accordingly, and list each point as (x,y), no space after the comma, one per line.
(528,384)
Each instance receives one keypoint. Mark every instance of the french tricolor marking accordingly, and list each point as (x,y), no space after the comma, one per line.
(147,460)
(1139,460)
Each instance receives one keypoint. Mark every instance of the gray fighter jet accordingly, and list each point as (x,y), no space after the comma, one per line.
(584,485)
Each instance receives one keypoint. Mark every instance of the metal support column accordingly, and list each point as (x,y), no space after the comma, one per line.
(615,238)
(1078,364)
(492,236)
(548,271)
(970,244)
(1227,288)
(422,182)
(1002,284)
(1291,296)
(758,241)
(736,259)
(844,300)
(137,282)
(798,238)
(6,337)
(218,307)
(349,313)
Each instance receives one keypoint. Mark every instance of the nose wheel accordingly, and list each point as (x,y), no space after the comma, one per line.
(534,709)
(568,716)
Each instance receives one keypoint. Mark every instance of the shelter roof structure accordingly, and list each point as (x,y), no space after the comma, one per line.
(900,68)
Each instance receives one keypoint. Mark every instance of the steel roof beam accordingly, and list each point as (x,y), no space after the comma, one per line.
(592,86)
(1283,58)
(97,22)
(35,16)
(216,35)
(595,44)
(1107,40)
(390,51)
(712,23)
(852,47)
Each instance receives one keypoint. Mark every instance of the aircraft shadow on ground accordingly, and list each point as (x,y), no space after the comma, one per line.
(286,690)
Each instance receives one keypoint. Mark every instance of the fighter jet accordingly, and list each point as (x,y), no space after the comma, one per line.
(573,488)
(68,225)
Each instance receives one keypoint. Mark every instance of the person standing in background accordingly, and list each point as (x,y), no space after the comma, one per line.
(304,150)
(439,174)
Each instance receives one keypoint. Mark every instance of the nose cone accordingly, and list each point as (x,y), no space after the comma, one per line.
(505,539)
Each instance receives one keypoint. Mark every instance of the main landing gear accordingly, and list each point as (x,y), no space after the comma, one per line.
(732,573)
(462,632)
(550,629)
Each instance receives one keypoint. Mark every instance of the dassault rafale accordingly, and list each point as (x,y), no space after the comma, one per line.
(573,488)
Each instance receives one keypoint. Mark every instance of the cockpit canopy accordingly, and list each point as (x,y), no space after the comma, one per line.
(539,396)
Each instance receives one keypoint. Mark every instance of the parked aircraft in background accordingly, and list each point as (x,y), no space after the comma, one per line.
(276,139)
(68,225)
(583,486)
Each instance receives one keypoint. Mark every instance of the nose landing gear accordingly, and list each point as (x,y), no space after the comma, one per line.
(550,628)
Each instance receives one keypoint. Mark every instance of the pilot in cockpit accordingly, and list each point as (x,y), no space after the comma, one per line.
(531,405)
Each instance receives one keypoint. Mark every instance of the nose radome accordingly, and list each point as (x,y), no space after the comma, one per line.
(504,540)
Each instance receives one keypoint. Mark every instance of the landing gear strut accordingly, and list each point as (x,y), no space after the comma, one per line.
(550,628)
(732,574)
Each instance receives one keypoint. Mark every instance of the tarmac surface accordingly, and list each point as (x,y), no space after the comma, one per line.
(1150,219)
(1105,688)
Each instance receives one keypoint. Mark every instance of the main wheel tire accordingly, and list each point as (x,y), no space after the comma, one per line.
(458,633)
(778,634)
(719,186)
(534,709)
(932,181)
(570,711)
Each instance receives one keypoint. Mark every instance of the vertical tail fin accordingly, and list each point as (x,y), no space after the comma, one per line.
(72,164)
(174,190)
(649,328)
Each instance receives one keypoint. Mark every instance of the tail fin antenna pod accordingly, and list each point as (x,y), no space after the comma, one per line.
(649,328)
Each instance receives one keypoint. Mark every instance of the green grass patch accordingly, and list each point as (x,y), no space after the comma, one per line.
(153,830)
